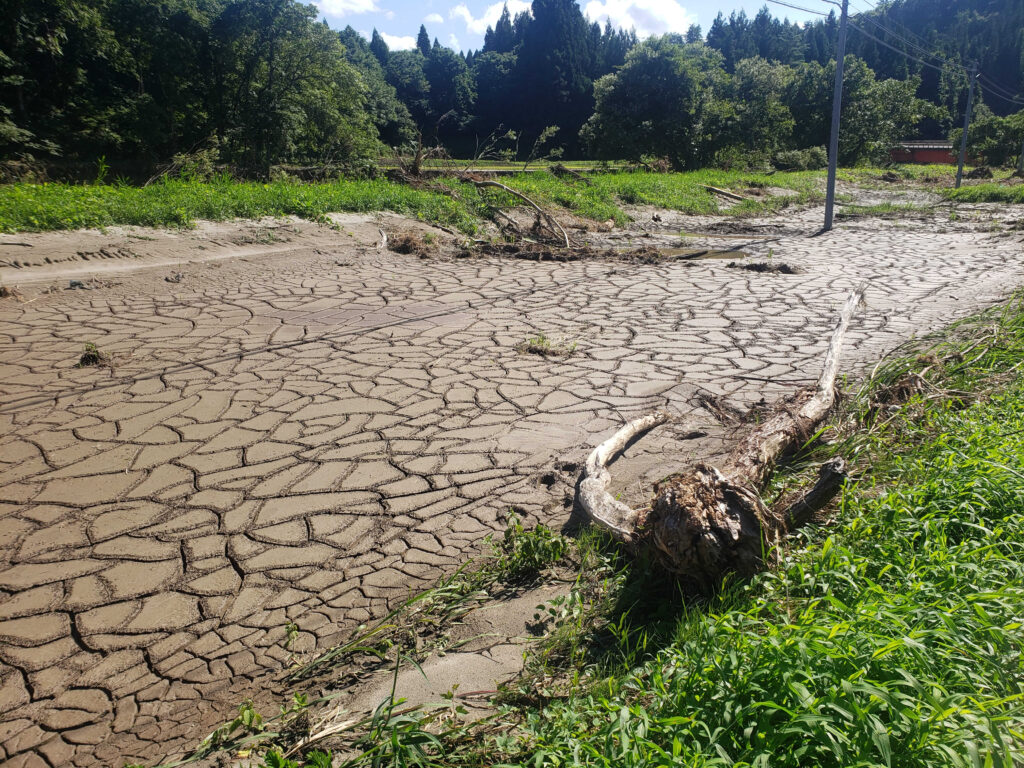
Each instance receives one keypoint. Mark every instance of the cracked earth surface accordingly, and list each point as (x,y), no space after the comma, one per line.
(310,429)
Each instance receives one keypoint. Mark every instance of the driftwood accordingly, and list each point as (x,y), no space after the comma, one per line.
(725,194)
(710,520)
(552,224)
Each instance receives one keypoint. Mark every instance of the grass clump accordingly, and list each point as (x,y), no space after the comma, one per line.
(892,638)
(544,346)
(986,193)
(92,357)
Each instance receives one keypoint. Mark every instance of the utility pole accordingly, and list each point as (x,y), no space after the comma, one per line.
(1020,159)
(837,105)
(967,123)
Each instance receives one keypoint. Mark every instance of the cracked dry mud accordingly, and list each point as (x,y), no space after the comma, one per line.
(307,430)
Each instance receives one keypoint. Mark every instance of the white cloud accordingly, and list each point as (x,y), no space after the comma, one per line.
(399,42)
(647,17)
(346,7)
(453,42)
(434,18)
(490,16)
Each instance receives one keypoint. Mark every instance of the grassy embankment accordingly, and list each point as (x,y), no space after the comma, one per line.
(889,637)
(43,207)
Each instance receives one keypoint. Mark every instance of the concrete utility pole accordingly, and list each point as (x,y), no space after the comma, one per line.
(967,123)
(837,105)
(1020,158)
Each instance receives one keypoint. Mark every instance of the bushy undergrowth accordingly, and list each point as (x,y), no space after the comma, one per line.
(890,639)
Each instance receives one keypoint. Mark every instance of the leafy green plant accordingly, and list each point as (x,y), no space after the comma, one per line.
(523,553)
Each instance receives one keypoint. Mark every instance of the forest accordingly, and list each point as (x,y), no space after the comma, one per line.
(251,84)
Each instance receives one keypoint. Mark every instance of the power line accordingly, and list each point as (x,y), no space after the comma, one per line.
(878,40)
(999,91)
(797,7)
(994,88)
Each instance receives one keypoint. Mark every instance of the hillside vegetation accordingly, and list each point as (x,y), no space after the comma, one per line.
(139,87)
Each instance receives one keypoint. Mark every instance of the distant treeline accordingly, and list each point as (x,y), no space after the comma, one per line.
(254,83)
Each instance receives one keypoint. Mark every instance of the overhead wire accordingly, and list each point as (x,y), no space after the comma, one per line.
(993,88)
(797,7)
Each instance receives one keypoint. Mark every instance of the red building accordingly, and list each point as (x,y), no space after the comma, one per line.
(925,152)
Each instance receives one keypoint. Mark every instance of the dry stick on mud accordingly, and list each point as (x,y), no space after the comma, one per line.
(710,520)
(552,224)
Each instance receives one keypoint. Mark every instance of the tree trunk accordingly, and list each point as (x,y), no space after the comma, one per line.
(710,520)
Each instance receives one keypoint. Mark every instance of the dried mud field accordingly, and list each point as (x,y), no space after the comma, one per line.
(290,424)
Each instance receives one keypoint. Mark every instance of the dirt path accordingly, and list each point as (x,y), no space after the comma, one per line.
(308,432)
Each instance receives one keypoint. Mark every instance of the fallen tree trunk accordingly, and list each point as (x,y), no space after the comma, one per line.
(710,520)
(725,193)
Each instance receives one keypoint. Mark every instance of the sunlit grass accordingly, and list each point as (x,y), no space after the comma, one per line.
(892,637)
(986,193)
(42,207)
(176,203)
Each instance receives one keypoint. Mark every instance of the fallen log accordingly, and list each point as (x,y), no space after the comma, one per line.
(710,520)
(725,193)
(553,225)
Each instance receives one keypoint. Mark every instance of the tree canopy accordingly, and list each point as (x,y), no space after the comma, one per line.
(263,82)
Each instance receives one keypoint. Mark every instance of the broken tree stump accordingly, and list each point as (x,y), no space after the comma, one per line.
(711,520)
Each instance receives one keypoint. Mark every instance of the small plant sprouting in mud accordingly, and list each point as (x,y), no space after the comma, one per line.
(522,553)
(92,356)
(546,347)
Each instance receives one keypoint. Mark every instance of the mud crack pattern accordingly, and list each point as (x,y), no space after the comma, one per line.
(306,440)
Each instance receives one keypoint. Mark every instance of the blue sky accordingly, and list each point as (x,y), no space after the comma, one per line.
(461,23)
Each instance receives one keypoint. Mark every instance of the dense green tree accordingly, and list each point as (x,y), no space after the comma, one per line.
(405,74)
(390,116)
(286,89)
(553,78)
(500,39)
(379,48)
(423,41)
(994,139)
(451,93)
(762,121)
(665,101)
(492,73)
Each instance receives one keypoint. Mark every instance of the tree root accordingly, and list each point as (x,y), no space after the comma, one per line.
(710,520)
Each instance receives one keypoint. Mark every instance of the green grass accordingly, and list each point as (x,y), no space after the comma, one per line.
(42,207)
(986,193)
(604,197)
(884,210)
(892,638)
